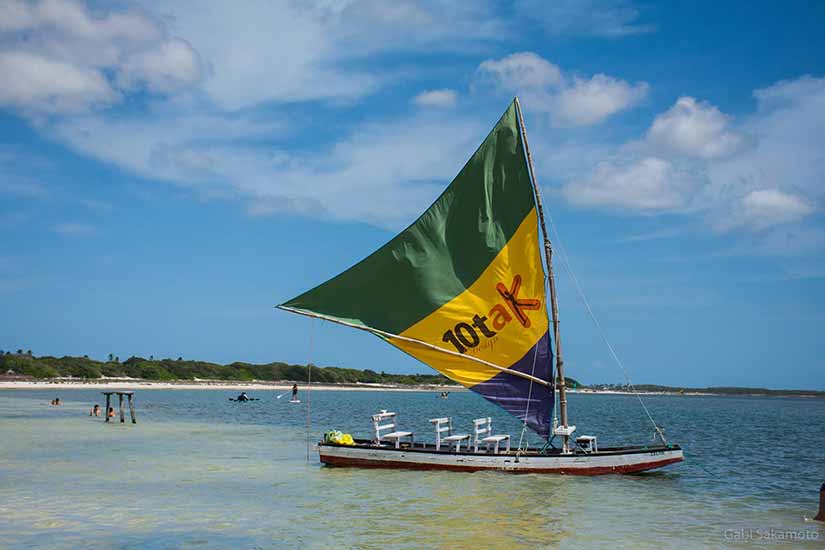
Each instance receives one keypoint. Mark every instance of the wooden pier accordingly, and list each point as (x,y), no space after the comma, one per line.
(120,394)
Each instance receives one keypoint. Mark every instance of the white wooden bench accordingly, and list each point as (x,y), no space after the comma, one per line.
(587,443)
(446,425)
(393,435)
(482,433)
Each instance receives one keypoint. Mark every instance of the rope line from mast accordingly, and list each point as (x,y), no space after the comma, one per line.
(529,398)
(309,386)
(555,401)
(566,261)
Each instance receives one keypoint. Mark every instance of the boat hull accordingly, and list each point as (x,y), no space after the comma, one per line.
(614,461)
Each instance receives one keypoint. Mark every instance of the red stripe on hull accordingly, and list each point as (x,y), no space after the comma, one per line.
(594,471)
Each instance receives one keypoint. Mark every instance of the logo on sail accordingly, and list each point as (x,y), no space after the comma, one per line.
(464,336)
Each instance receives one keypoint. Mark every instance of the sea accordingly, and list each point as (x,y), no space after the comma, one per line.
(200,471)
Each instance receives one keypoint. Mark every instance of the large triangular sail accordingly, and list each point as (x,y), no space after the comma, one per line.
(462,288)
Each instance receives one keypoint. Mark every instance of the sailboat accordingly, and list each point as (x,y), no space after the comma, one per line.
(464,290)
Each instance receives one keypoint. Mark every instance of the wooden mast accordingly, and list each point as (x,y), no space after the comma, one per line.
(548,254)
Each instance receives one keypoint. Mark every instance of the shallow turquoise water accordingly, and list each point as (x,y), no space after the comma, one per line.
(198,471)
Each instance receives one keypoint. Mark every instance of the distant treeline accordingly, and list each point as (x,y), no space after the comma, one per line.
(717,390)
(26,364)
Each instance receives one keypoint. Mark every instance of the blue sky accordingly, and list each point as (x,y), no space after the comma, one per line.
(170,171)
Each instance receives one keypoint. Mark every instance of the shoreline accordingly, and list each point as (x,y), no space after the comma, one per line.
(257,385)
(283,386)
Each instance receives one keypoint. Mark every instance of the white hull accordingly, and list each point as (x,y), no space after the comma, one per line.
(614,461)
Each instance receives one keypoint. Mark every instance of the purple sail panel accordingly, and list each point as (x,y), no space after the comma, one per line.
(513,393)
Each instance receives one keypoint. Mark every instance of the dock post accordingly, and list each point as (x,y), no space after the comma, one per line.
(132,409)
(120,407)
(820,516)
(106,414)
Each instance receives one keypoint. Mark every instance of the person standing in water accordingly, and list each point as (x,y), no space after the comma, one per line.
(295,392)
(95,411)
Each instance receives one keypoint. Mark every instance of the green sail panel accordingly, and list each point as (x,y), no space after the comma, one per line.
(444,251)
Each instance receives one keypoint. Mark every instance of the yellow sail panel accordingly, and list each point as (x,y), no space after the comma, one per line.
(499,318)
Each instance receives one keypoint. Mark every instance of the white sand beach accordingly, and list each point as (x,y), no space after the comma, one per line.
(260,385)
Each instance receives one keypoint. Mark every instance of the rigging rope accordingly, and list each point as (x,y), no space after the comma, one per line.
(565,260)
(529,397)
(309,387)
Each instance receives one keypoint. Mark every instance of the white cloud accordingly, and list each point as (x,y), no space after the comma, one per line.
(606,18)
(165,144)
(650,184)
(763,172)
(588,102)
(71,19)
(694,129)
(286,51)
(570,100)
(14,15)
(436,98)
(57,57)
(170,67)
(34,83)
(521,70)
(367,175)
(765,208)
(214,95)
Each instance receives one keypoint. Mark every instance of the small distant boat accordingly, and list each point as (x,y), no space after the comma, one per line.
(462,289)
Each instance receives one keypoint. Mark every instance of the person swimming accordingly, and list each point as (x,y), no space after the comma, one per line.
(55,401)
(95,410)
(111,413)
(242,397)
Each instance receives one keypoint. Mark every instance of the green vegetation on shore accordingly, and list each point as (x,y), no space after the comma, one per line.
(26,364)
